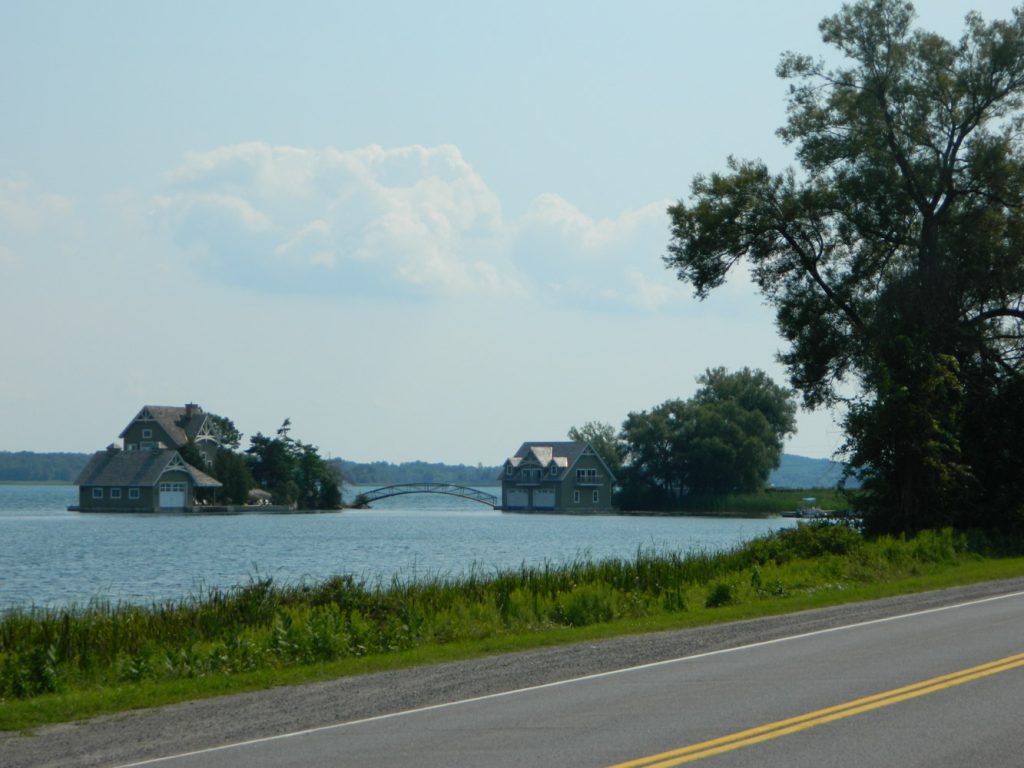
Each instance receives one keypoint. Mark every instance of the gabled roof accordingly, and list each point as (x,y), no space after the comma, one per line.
(563,454)
(138,468)
(181,423)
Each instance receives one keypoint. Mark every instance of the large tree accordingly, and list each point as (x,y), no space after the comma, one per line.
(894,257)
(727,438)
(293,471)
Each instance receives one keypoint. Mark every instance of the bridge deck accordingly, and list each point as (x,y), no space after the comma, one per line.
(448,489)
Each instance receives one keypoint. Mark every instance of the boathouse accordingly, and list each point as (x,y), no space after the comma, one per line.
(556,477)
(147,473)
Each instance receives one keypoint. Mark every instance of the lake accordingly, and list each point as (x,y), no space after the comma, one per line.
(52,557)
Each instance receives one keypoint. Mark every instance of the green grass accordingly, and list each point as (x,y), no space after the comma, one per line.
(768,502)
(59,665)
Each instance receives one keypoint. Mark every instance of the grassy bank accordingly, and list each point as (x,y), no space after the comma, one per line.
(61,664)
(768,502)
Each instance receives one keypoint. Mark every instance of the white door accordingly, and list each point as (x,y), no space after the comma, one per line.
(518,499)
(543,499)
(172,495)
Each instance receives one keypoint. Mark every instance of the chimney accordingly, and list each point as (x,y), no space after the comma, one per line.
(191,409)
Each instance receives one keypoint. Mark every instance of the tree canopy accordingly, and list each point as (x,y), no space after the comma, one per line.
(293,471)
(893,257)
(725,439)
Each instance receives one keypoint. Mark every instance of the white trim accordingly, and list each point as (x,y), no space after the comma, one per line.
(597,497)
(97,493)
(115,493)
(576,496)
(133,494)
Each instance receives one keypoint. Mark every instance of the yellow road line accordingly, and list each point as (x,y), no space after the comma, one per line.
(821,716)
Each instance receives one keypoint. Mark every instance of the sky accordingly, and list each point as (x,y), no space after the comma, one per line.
(420,231)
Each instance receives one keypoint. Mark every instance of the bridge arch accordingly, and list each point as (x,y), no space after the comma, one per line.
(448,489)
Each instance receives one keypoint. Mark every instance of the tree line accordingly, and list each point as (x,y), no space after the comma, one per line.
(290,471)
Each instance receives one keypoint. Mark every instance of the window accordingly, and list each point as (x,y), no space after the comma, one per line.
(115,493)
(508,470)
(97,493)
(575,497)
(586,476)
(133,493)
(554,469)
(597,497)
(147,434)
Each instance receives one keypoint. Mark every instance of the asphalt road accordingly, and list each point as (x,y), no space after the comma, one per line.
(774,692)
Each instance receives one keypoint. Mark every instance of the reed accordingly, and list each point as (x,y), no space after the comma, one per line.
(263,625)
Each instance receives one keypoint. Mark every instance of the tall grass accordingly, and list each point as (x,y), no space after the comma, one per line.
(264,625)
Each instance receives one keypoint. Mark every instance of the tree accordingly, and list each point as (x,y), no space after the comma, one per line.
(228,434)
(725,439)
(293,471)
(894,259)
(232,470)
(603,439)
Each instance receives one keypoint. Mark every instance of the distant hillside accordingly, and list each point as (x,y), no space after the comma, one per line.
(793,472)
(26,466)
(802,472)
(41,467)
(386,473)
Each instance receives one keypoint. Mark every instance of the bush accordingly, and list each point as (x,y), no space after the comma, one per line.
(721,594)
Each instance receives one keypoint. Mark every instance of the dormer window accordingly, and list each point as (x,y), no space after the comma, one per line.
(554,470)
(509,470)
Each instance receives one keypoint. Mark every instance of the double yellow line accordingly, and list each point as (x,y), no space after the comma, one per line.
(820,717)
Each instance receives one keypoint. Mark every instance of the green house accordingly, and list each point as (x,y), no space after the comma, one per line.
(556,477)
(147,480)
(148,473)
(172,426)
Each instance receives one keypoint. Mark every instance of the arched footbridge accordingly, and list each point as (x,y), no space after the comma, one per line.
(461,491)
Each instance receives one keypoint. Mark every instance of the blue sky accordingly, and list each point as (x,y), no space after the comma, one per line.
(418,230)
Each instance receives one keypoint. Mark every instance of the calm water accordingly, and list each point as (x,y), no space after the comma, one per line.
(49,556)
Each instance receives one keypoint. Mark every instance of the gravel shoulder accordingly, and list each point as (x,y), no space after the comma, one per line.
(142,734)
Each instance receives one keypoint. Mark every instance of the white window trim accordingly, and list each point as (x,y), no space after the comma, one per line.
(115,493)
(133,493)
(147,434)
(97,493)
(597,497)
(576,497)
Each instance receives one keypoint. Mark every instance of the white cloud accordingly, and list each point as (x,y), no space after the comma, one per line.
(415,216)
(407,220)
(609,263)
(24,209)
(30,221)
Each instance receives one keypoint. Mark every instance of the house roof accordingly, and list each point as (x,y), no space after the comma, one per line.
(563,454)
(181,423)
(138,468)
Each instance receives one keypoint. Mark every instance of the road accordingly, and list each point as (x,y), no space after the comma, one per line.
(934,680)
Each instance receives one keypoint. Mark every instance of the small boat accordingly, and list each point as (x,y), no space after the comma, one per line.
(808,510)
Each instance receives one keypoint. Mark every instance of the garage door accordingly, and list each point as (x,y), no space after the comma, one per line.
(517,499)
(543,499)
(172,495)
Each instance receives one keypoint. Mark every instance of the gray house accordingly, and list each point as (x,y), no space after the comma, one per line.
(148,474)
(145,480)
(556,477)
(172,426)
